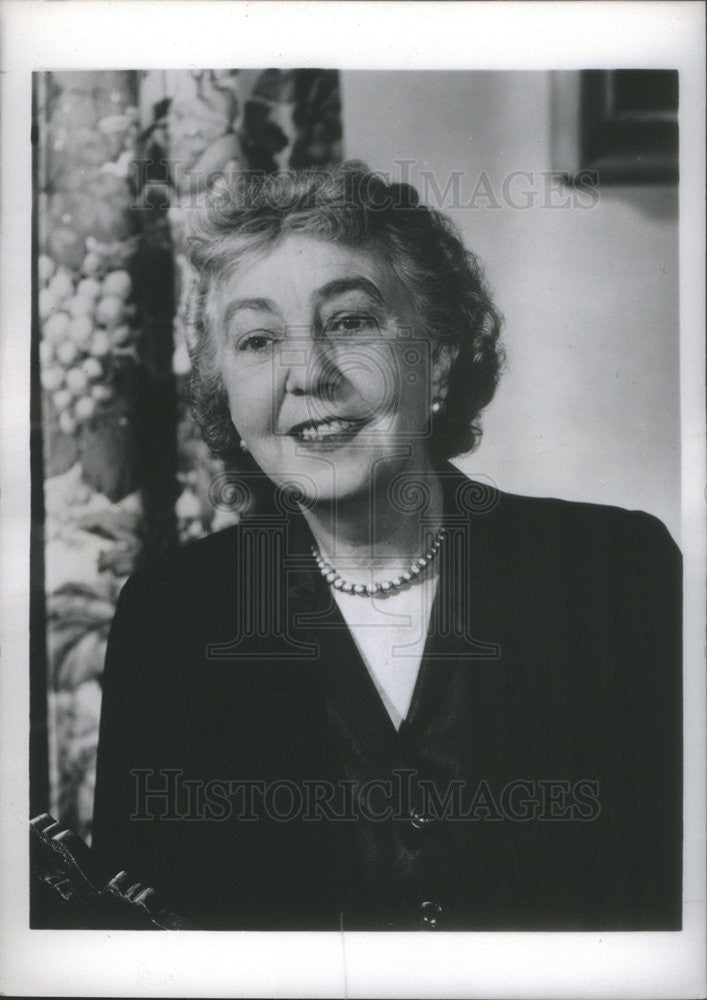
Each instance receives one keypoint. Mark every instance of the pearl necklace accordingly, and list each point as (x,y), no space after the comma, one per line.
(384,586)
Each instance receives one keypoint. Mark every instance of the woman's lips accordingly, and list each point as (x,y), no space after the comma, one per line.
(331,430)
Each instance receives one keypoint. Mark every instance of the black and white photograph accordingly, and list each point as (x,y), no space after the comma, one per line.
(363,476)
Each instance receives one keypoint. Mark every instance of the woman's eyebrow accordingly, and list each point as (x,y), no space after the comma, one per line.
(254,305)
(342,285)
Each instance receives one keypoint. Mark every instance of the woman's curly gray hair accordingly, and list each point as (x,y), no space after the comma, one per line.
(351,206)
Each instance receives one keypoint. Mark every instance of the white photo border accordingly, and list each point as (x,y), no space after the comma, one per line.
(97,34)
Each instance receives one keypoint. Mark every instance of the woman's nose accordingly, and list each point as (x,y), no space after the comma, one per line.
(310,368)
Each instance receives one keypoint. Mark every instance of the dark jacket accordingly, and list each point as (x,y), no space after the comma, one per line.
(536,784)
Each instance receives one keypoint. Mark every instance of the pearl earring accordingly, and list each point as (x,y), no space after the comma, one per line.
(437,405)
(244,446)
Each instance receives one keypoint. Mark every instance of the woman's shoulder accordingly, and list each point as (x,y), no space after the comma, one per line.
(195,567)
(577,516)
(527,531)
(568,520)
(195,575)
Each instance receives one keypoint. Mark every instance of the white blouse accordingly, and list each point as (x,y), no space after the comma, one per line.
(390,632)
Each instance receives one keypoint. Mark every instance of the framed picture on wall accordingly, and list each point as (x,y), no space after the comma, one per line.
(621,125)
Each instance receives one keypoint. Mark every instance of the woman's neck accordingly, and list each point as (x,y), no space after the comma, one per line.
(375,530)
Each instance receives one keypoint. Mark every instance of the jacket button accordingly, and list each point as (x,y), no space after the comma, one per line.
(418,820)
(429,915)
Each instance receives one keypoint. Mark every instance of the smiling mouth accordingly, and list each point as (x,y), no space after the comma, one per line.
(329,430)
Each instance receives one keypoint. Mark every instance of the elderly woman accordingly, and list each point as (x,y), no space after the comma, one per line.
(391,697)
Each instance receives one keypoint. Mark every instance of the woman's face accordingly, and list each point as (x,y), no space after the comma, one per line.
(328,375)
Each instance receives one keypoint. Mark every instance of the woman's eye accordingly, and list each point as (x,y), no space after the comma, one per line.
(351,324)
(256,343)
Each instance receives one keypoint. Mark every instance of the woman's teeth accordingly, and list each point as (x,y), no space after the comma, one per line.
(320,432)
